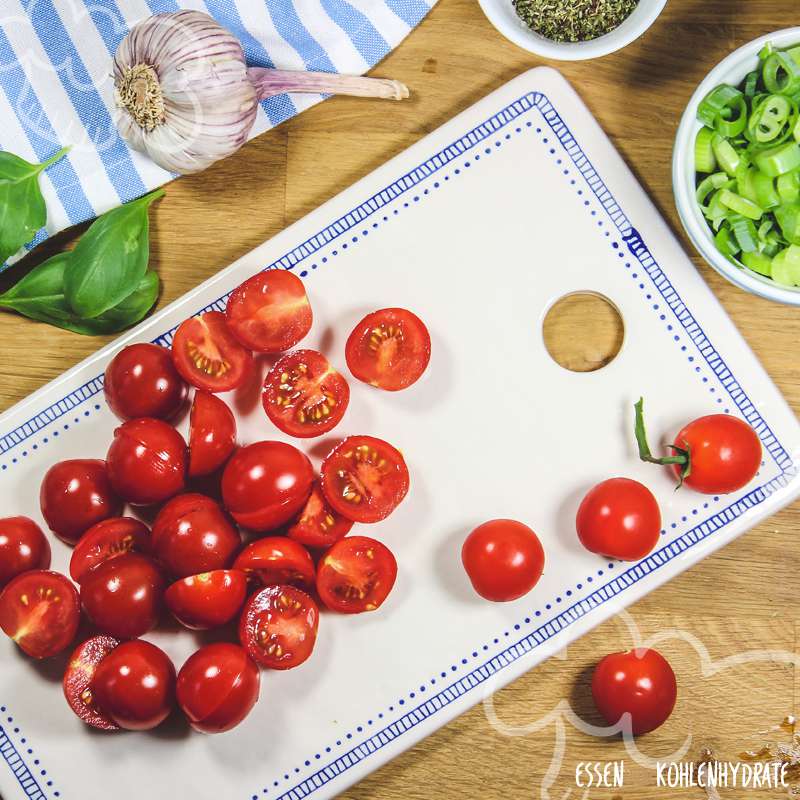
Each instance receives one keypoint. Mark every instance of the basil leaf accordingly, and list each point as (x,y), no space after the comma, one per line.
(133,308)
(22,208)
(110,260)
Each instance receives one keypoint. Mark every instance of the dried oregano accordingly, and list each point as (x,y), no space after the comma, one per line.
(573,20)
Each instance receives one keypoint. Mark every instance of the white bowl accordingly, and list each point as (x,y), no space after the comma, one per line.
(502,15)
(730,70)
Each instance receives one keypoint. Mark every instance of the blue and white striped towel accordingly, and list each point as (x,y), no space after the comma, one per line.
(56,86)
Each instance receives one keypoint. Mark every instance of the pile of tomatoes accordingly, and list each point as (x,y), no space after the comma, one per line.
(296,552)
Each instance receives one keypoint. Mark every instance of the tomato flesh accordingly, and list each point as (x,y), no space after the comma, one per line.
(364,478)
(108,539)
(212,434)
(77,681)
(356,574)
(270,312)
(277,560)
(208,356)
(40,611)
(208,600)
(318,524)
(23,547)
(389,349)
(304,395)
(278,627)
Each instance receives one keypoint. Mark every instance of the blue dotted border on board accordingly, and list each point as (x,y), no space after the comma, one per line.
(22,772)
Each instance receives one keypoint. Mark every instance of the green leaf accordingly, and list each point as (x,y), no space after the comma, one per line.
(22,208)
(110,259)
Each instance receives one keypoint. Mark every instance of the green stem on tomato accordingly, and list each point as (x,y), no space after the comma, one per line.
(681,458)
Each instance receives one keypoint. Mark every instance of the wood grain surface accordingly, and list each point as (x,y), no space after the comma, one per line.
(742,598)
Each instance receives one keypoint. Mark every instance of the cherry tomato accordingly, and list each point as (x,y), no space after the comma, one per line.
(208,355)
(364,478)
(40,611)
(141,381)
(503,558)
(304,395)
(389,349)
(318,524)
(78,678)
(108,539)
(266,484)
(270,312)
(212,434)
(76,495)
(218,687)
(147,461)
(23,547)
(356,575)
(134,685)
(619,518)
(278,627)
(123,596)
(277,560)
(207,600)
(637,682)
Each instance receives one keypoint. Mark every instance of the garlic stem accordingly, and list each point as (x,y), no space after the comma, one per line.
(270,82)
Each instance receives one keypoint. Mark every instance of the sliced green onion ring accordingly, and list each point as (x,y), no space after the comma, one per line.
(741,205)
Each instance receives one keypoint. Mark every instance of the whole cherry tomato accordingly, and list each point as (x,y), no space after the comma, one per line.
(134,685)
(108,539)
(638,682)
(277,560)
(40,611)
(123,596)
(141,381)
(619,518)
(147,461)
(192,534)
(266,484)
(318,525)
(218,687)
(75,495)
(212,434)
(23,547)
(208,600)
(503,558)
(77,681)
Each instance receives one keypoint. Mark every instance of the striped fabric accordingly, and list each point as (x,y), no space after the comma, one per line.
(56,86)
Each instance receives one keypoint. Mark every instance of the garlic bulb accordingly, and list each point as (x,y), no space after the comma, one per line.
(185,96)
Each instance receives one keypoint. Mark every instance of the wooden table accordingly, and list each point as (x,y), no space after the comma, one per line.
(741,598)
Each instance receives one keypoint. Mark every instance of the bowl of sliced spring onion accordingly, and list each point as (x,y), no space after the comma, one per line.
(736,167)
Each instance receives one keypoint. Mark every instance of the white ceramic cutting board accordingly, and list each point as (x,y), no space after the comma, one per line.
(478,228)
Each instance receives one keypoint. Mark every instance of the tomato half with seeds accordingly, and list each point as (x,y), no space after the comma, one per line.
(304,395)
(278,627)
(277,560)
(208,600)
(208,356)
(40,611)
(356,575)
(212,434)
(23,547)
(108,539)
(77,681)
(270,312)
(364,478)
(389,349)
(318,525)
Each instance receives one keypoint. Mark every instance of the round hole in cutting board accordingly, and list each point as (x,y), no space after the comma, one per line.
(583,331)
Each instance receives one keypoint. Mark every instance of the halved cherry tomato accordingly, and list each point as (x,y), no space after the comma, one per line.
(147,461)
(270,312)
(218,687)
(134,685)
(75,495)
(619,518)
(208,355)
(278,627)
(108,539)
(503,558)
(364,478)
(318,524)
(141,381)
(78,678)
(40,611)
(123,596)
(304,395)
(23,547)
(356,575)
(192,534)
(389,349)
(266,484)
(212,434)
(207,600)
(277,560)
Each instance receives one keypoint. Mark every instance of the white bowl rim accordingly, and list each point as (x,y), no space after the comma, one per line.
(740,62)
